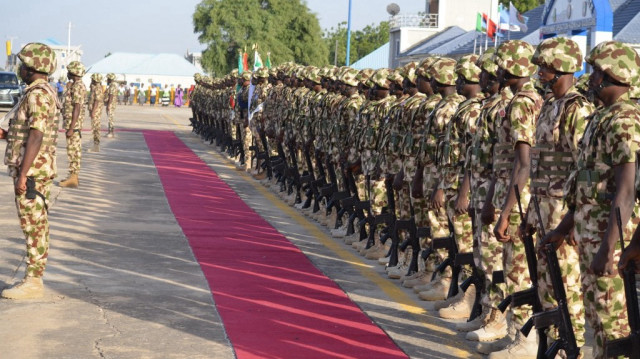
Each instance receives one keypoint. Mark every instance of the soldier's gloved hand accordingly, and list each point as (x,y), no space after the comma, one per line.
(630,254)
(488,214)
(500,230)
(602,264)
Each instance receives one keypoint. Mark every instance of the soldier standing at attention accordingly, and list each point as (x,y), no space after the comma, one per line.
(111,96)
(73,115)
(31,160)
(604,180)
(562,122)
(96,99)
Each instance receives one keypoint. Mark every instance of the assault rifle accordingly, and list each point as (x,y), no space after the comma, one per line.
(559,316)
(628,346)
(528,296)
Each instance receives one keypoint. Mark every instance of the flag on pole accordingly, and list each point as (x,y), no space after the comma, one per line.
(257,60)
(480,25)
(515,18)
(245,60)
(486,25)
(240,62)
(268,63)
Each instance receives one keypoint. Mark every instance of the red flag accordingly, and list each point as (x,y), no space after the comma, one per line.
(491,26)
(245,62)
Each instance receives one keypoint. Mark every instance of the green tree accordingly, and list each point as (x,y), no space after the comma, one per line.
(286,28)
(363,42)
(523,5)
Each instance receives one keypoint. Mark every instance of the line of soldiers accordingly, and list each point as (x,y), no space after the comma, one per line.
(489,192)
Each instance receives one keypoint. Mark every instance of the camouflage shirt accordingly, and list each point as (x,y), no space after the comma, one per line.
(75,94)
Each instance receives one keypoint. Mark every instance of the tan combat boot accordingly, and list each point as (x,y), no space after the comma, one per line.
(71,181)
(438,290)
(95,148)
(28,288)
(422,277)
(521,348)
(494,328)
(461,308)
(474,324)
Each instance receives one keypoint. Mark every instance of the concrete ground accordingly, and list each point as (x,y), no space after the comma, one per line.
(122,281)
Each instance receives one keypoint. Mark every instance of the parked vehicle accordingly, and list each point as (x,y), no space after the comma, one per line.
(10,89)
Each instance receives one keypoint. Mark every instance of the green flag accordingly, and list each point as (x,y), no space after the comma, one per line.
(479,26)
(268,63)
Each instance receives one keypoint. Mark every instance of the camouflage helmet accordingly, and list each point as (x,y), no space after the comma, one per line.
(364,75)
(197,77)
(98,78)
(467,68)
(349,77)
(514,56)
(234,73)
(560,54)
(111,76)
(618,60)
(396,77)
(313,74)
(262,73)
(487,62)
(273,72)
(424,65)
(380,78)
(582,83)
(444,71)
(38,57)
(76,68)
(246,75)
(409,72)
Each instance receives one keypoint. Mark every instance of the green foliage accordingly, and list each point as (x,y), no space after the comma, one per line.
(286,28)
(523,5)
(363,41)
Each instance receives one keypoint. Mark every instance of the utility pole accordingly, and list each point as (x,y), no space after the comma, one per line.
(68,43)
(348,36)
(335,55)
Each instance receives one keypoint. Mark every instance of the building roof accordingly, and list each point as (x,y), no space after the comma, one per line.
(377,59)
(626,22)
(426,46)
(144,64)
(51,42)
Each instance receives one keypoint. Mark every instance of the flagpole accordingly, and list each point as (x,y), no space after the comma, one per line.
(509,23)
(475,43)
(348,35)
(486,41)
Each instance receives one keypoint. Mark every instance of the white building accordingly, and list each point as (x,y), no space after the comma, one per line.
(147,69)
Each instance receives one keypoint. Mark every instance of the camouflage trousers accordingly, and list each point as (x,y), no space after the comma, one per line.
(403,203)
(95,127)
(35,226)
(110,113)
(488,255)
(604,301)
(461,223)
(74,152)
(516,272)
(247,138)
(377,196)
(552,211)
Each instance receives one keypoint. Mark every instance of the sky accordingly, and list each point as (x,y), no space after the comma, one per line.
(144,26)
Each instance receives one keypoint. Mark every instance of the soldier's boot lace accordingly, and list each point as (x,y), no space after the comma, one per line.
(494,328)
(474,324)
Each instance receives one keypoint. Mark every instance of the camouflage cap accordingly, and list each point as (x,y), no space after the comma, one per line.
(301,73)
(246,75)
(262,73)
(618,60)
(98,78)
(396,77)
(234,73)
(582,83)
(560,54)
(111,76)
(467,68)
(313,74)
(76,68)
(487,62)
(408,71)
(444,71)
(364,75)
(38,57)
(349,77)
(380,78)
(273,72)
(514,56)
(424,65)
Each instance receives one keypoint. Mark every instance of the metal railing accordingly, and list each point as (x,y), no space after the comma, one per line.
(414,20)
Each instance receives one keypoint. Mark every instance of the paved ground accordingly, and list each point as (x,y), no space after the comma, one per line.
(122,281)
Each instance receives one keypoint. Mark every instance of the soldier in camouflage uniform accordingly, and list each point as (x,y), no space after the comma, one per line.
(33,130)
(457,140)
(243,132)
(111,96)
(562,122)
(94,105)
(256,123)
(604,180)
(515,131)
(73,116)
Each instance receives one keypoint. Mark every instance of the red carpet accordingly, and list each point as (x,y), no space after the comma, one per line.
(273,302)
